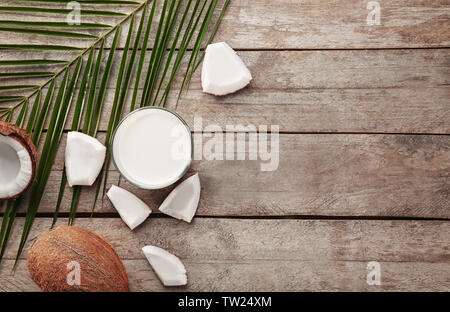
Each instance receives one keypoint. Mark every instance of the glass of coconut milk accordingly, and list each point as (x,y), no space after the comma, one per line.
(152,147)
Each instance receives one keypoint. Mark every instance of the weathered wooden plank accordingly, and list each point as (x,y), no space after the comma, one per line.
(260,275)
(406,91)
(317,174)
(273,255)
(307,24)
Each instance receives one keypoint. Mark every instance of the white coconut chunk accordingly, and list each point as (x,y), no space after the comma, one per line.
(182,202)
(15,167)
(85,156)
(168,267)
(131,209)
(223,71)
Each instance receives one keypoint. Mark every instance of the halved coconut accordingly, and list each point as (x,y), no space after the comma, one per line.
(18,158)
(182,202)
(84,158)
(223,71)
(168,267)
(131,209)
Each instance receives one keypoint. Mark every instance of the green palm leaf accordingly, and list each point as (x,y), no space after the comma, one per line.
(117,107)
(12,205)
(33,114)
(45,32)
(21,117)
(54,133)
(53,24)
(26,75)
(198,43)
(122,88)
(57,11)
(122,2)
(172,50)
(151,66)
(39,124)
(92,131)
(187,37)
(7,224)
(30,62)
(190,23)
(214,31)
(42,47)
(9,98)
(96,110)
(142,55)
(76,121)
(82,93)
(161,49)
(92,89)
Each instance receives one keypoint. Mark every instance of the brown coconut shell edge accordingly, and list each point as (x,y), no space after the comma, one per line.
(58,237)
(11,130)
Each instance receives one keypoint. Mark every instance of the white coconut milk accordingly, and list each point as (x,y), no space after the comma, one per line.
(152,147)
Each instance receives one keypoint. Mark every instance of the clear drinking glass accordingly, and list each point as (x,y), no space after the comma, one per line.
(129,177)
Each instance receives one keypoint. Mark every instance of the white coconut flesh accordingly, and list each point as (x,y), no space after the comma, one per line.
(168,267)
(182,202)
(84,158)
(16,168)
(131,209)
(223,71)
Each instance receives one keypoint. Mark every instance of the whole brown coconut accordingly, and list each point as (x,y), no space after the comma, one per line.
(51,259)
(12,131)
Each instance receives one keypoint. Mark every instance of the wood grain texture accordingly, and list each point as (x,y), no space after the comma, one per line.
(323,75)
(273,255)
(306,24)
(401,91)
(318,174)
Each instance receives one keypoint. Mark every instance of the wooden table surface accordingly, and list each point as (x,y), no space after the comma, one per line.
(364,168)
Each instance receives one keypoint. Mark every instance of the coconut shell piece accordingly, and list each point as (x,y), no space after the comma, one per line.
(20,135)
(51,259)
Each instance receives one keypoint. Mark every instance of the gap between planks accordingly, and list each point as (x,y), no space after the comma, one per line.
(108,215)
